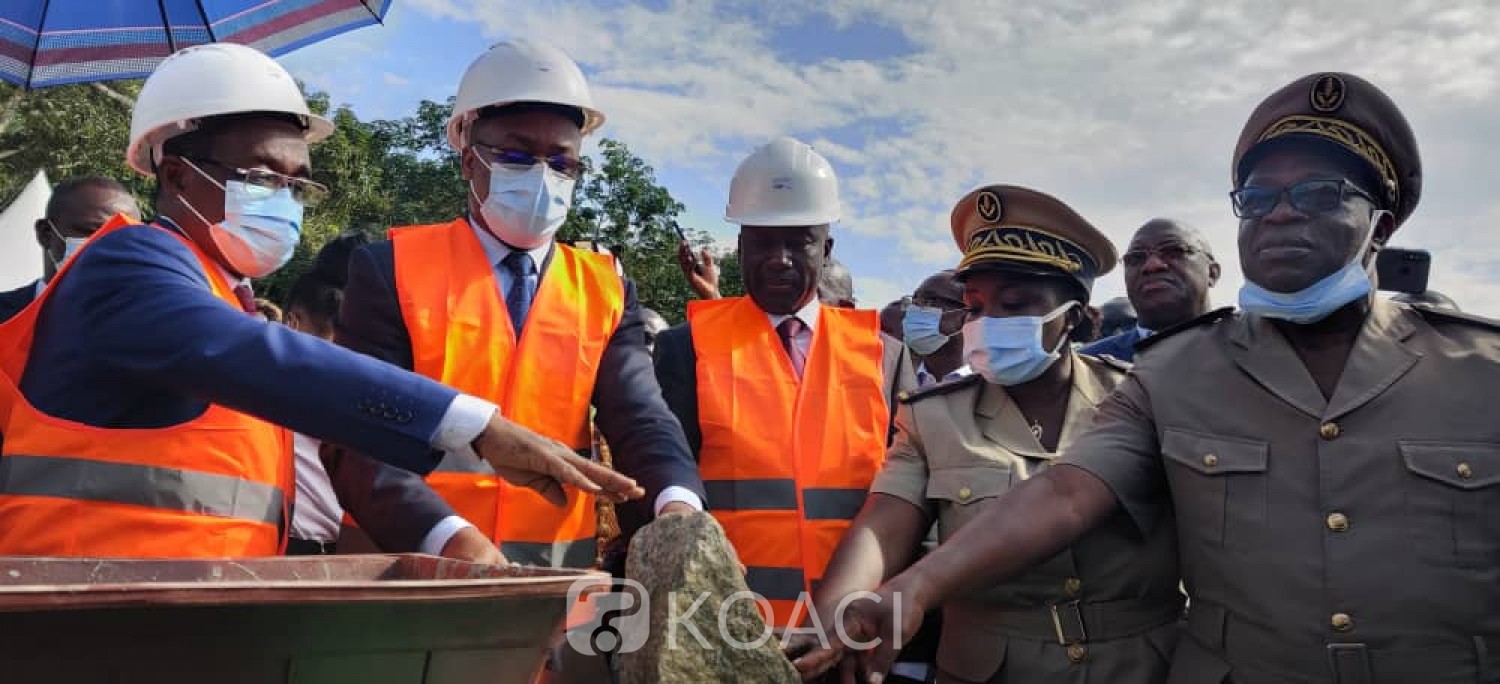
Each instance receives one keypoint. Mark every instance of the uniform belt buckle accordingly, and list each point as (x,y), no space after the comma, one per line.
(1067,620)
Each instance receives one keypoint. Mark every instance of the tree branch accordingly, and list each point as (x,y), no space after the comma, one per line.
(113,94)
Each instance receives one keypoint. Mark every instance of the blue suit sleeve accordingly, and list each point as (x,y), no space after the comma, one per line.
(151,316)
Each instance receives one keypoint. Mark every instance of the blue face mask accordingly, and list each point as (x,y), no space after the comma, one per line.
(1316,301)
(525,207)
(920,327)
(260,230)
(1008,351)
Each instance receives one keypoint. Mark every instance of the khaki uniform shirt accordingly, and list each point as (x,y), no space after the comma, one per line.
(1351,540)
(954,452)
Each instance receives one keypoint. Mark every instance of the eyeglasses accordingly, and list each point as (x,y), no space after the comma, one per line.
(951,311)
(307,193)
(563,164)
(1308,197)
(1170,253)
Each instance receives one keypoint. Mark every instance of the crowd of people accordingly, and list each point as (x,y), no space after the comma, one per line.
(1035,487)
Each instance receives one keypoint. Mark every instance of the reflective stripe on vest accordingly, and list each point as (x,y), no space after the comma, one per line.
(216,486)
(785,469)
(172,489)
(818,503)
(461,335)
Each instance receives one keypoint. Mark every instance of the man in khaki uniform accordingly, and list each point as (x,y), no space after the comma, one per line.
(1107,608)
(1331,457)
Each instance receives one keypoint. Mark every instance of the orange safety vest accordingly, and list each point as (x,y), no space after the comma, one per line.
(217,486)
(461,335)
(786,464)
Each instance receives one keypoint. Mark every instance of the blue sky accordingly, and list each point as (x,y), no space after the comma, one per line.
(1126,111)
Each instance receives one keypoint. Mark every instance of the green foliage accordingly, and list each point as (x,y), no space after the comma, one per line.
(382,173)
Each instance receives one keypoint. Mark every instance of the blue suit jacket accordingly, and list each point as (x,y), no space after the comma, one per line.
(644,437)
(133,337)
(1120,346)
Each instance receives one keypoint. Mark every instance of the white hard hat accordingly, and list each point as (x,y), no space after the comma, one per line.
(784,183)
(520,71)
(211,80)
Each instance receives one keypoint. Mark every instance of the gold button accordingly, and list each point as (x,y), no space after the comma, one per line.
(1072,586)
(1210,460)
(964,493)
(1338,522)
(1341,622)
(1464,471)
(1330,431)
(1078,653)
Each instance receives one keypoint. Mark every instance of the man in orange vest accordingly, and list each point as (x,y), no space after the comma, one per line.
(491,304)
(142,403)
(780,395)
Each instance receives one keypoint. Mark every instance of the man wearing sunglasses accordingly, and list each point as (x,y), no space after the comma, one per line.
(146,408)
(1169,269)
(491,304)
(1332,459)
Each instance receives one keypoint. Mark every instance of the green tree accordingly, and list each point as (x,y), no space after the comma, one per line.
(67,131)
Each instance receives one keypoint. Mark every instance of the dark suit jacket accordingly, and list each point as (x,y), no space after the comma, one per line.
(1120,346)
(677,372)
(12,301)
(644,437)
(133,337)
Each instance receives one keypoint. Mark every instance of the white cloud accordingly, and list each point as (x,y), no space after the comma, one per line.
(391,79)
(1125,110)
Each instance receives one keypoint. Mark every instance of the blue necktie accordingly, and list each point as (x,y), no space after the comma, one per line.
(522,288)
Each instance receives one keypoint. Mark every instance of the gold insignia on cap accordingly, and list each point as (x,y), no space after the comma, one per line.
(1348,135)
(987,204)
(1327,93)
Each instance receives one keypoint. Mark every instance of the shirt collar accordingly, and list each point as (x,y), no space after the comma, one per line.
(925,378)
(807,314)
(496,251)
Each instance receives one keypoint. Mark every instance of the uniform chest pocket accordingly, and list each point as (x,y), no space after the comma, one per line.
(1454,499)
(1218,484)
(961,492)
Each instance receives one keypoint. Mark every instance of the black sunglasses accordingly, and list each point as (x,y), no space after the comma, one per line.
(1308,197)
(563,164)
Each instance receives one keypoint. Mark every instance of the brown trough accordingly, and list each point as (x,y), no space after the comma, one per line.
(379,619)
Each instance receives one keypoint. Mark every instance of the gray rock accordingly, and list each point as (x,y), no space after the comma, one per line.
(678,559)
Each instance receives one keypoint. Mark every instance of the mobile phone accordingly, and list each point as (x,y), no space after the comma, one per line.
(1403,270)
(692,256)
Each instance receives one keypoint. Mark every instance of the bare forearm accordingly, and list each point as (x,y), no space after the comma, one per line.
(1026,526)
(880,542)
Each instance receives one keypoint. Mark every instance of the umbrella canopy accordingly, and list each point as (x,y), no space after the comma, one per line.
(56,42)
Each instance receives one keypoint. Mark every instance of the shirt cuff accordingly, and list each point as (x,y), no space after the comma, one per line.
(463,422)
(441,533)
(676,493)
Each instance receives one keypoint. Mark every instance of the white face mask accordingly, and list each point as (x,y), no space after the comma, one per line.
(261,226)
(71,245)
(525,207)
(1008,351)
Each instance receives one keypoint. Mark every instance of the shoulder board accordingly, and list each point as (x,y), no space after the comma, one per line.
(1448,315)
(939,389)
(1110,361)
(1211,317)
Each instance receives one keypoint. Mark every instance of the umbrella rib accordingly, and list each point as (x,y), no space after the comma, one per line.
(378,19)
(36,45)
(166,26)
(203,13)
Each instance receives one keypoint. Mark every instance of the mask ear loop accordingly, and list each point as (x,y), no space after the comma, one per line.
(1062,340)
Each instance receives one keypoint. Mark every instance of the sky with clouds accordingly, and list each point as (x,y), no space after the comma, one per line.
(1125,110)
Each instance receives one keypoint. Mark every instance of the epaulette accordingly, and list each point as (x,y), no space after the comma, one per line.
(1431,312)
(939,389)
(1211,317)
(1112,362)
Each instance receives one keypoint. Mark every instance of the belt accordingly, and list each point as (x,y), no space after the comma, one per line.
(1250,648)
(308,547)
(1079,622)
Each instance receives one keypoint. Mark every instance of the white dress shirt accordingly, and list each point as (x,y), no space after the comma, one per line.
(925,378)
(317,515)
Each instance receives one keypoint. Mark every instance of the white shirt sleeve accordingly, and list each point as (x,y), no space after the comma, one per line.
(441,533)
(676,493)
(464,421)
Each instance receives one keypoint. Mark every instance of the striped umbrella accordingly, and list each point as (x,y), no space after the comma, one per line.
(56,42)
